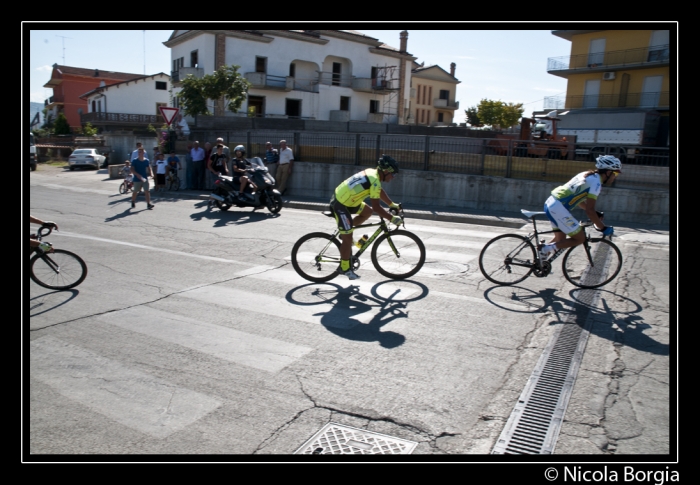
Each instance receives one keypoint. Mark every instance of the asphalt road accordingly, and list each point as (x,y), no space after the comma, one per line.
(193,335)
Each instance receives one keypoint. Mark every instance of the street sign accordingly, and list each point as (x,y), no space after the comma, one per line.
(169,113)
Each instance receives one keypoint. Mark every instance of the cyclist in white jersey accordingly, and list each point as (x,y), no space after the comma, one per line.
(581,191)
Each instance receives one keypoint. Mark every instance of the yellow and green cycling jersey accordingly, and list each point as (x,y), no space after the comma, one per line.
(578,189)
(357,188)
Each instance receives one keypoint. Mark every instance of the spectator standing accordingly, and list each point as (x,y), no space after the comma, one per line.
(218,162)
(161,170)
(141,170)
(286,159)
(135,153)
(198,161)
(227,152)
(272,156)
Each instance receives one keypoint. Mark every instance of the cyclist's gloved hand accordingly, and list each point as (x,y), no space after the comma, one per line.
(608,231)
(45,247)
(394,205)
(50,225)
(396,220)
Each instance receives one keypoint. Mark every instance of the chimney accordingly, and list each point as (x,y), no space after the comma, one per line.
(97,73)
(404,39)
(452,69)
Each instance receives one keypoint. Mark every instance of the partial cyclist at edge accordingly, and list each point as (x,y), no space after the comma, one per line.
(348,201)
(43,247)
(582,191)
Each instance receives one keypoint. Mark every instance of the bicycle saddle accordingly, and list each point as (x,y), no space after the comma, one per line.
(531,213)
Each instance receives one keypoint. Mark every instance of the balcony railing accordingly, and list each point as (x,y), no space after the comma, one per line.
(119,118)
(56,98)
(374,85)
(641,57)
(181,74)
(263,80)
(445,104)
(334,79)
(632,100)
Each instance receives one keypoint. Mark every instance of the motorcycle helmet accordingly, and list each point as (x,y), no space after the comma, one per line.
(608,162)
(388,164)
(239,148)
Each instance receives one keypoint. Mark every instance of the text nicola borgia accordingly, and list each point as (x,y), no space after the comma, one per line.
(629,474)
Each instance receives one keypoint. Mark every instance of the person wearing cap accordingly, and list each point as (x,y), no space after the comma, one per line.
(272,156)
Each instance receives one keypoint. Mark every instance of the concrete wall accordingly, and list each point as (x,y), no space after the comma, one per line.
(446,190)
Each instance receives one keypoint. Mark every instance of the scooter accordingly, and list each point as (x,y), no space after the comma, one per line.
(226,190)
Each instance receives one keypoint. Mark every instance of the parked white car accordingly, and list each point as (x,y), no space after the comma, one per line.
(85,157)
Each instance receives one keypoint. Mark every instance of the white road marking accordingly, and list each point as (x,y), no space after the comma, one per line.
(130,397)
(225,343)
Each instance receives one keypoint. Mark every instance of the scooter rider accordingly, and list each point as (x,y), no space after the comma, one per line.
(239,166)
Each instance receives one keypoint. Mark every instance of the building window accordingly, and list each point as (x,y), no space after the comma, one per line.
(444,94)
(292,69)
(194,59)
(373,106)
(293,108)
(178,63)
(162,85)
(260,64)
(440,117)
(344,103)
(430,96)
(428,122)
(93,106)
(176,102)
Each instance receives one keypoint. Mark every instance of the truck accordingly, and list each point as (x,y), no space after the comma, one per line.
(32,152)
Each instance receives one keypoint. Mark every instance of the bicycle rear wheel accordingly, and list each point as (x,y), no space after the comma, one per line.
(507,259)
(316,257)
(57,270)
(122,188)
(601,269)
(174,183)
(398,254)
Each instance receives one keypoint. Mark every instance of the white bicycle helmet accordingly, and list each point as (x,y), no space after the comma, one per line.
(608,162)
(239,148)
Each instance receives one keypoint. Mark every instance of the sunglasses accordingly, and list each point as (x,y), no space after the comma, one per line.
(616,172)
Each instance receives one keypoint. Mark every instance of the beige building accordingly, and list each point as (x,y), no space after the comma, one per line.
(433,92)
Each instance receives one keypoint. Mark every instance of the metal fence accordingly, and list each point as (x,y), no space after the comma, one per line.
(645,167)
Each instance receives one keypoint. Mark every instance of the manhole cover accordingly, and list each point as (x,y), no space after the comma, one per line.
(336,439)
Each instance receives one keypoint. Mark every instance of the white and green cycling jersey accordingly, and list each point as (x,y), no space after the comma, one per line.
(577,189)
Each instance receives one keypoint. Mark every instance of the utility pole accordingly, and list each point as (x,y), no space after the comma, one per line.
(144,52)
(63,43)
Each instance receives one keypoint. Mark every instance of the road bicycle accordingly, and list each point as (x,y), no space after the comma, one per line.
(510,258)
(172,181)
(57,269)
(396,253)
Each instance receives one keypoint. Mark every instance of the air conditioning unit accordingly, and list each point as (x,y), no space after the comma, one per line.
(608,76)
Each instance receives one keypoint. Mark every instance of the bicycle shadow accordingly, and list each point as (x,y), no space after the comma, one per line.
(623,325)
(353,315)
(40,301)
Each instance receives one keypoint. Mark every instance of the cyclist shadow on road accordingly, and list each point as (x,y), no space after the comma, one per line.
(354,315)
(620,323)
(51,300)
(235,215)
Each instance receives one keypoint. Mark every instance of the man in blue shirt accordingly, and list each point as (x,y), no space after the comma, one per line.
(272,156)
(141,170)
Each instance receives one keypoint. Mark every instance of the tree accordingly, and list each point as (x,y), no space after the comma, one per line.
(498,114)
(473,117)
(225,82)
(61,126)
(89,130)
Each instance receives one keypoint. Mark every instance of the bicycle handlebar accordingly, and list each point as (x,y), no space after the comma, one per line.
(44,231)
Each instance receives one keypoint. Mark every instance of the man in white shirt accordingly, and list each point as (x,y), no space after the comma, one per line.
(198,165)
(135,153)
(284,170)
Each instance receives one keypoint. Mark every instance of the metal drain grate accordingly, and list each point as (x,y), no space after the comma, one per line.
(337,439)
(534,424)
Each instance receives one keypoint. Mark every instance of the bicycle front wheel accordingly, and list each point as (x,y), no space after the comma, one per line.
(57,270)
(174,183)
(122,188)
(398,254)
(507,259)
(603,266)
(316,257)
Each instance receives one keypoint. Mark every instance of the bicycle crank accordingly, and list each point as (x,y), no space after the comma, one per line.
(544,271)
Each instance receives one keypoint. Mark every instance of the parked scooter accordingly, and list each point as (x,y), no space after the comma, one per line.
(225,193)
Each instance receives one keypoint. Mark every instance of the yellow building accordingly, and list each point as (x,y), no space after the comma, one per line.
(615,69)
(433,92)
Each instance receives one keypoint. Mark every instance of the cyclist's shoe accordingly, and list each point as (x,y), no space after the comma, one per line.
(351,275)
(133,205)
(544,254)
(151,206)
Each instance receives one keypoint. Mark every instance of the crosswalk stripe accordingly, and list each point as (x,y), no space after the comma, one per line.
(130,397)
(255,351)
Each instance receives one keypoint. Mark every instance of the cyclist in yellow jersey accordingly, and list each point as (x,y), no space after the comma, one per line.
(581,191)
(348,201)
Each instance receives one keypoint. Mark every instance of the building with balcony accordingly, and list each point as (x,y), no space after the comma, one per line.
(614,69)
(334,75)
(128,105)
(69,83)
(432,95)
